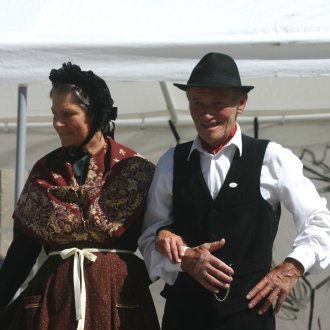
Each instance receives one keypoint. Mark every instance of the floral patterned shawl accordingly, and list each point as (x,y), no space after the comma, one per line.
(55,210)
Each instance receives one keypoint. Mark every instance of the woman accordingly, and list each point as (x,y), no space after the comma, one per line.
(83,203)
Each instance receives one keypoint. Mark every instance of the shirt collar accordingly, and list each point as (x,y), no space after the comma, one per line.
(235,141)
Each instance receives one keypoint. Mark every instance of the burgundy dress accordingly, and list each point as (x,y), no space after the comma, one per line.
(100,284)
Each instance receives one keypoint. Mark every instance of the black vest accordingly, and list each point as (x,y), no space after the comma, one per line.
(239,214)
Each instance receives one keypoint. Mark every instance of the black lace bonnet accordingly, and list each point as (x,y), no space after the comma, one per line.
(97,91)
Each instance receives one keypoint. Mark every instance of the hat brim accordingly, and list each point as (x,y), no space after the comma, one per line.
(184,87)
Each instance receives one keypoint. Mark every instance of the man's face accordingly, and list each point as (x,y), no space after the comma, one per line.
(214,112)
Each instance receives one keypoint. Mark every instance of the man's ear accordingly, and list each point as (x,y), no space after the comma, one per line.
(242,103)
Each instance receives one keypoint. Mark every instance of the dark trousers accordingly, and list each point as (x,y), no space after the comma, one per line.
(193,316)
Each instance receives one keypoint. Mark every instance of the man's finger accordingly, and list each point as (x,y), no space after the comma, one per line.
(209,286)
(213,246)
(270,298)
(257,289)
(222,275)
(279,302)
(218,279)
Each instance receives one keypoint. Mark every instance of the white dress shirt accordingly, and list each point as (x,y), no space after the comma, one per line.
(282,181)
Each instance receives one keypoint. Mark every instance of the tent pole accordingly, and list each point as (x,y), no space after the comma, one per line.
(169,102)
(174,131)
(256,127)
(20,140)
(171,109)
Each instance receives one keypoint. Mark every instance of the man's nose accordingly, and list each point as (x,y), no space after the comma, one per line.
(208,110)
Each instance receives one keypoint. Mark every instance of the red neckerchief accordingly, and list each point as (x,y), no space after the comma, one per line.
(213,150)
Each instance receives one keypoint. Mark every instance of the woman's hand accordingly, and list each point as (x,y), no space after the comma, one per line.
(170,245)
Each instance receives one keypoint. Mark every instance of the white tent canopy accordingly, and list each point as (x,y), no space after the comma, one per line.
(161,40)
(141,47)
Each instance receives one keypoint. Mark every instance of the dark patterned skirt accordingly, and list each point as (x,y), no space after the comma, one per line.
(117,296)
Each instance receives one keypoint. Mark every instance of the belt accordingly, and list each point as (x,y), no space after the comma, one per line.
(78,276)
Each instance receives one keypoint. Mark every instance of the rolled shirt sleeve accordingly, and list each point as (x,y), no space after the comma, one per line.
(159,214)
(282,180)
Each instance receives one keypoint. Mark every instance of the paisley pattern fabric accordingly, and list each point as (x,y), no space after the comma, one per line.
(57,211)
(105,212)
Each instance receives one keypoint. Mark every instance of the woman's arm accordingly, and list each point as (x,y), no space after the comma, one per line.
(20,258)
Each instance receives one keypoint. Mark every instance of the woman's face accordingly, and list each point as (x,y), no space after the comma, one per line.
(70,119)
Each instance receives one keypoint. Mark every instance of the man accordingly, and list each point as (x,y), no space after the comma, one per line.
(213,212)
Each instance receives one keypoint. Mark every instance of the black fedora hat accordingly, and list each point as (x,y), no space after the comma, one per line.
(215,70)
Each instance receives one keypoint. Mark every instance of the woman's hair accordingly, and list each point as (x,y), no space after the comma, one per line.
(82,98)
